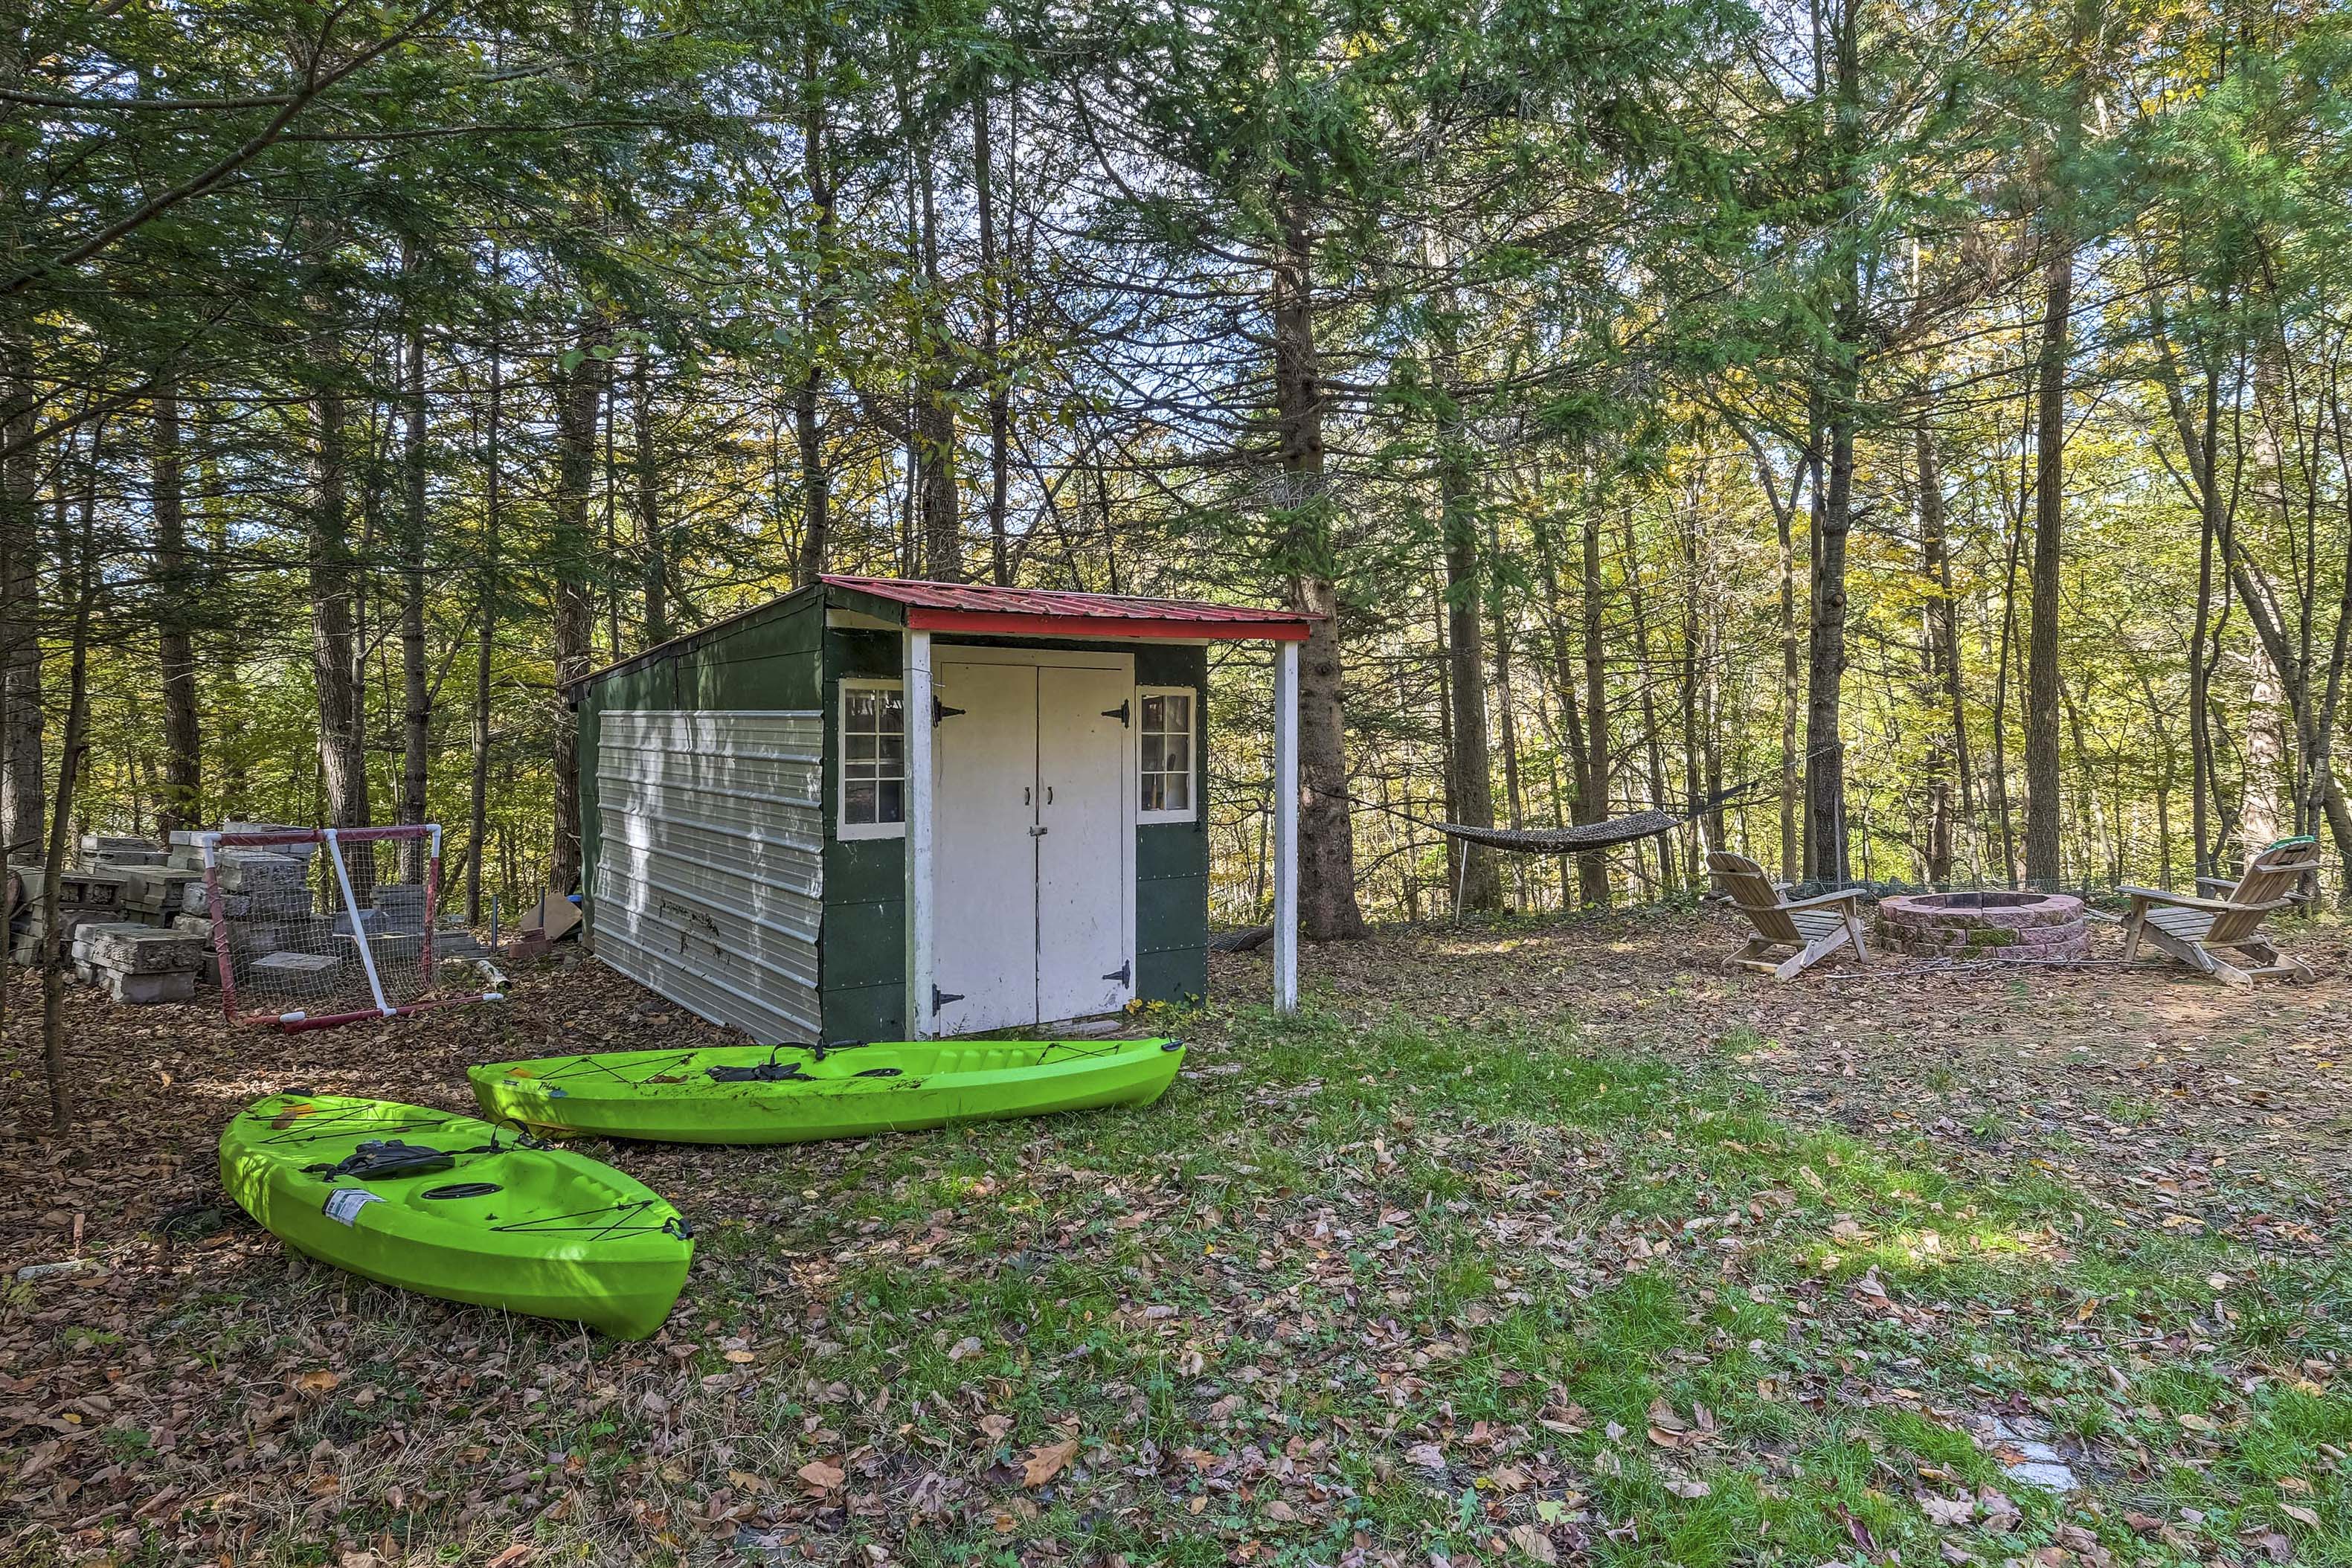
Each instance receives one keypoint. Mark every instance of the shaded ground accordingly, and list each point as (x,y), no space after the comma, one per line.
(1518,1245)
(2161,1096)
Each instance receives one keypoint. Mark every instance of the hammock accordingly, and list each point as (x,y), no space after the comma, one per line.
(1579,839)
(1583,839)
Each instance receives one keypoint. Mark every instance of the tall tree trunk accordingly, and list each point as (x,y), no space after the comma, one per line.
(938,499)
(70,760)
(1327,892)
(1650,742)
(1448,773)
(817,320)
(1694,770)
(1947,751)
(416,692)
(991,308)
(24,793)
(577,399)
(1826,847)
(1838,404)
(1563,682)
(2041,695)
(1592,790)
(181,806)
(655,577)
(486,620)
(608,414)
(2266,752)
(1792,859)
(334,584)
(1479,879)
(1506,713)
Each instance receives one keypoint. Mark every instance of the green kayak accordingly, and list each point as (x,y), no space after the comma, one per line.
(792,1094)
(453,1208)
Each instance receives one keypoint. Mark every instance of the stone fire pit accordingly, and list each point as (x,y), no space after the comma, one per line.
(1984,925)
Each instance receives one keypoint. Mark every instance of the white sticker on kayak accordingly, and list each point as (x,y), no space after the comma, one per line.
(343,1204)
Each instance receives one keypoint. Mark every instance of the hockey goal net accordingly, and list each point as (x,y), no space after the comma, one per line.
(314,927)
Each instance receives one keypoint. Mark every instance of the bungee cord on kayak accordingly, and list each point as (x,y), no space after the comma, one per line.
(675,1225)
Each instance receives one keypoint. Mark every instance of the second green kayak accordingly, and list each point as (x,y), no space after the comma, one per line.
(793,1094)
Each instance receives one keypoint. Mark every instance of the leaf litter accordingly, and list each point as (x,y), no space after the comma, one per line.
(1536,1244)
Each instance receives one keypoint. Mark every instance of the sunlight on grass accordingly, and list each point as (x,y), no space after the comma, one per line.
(1405,1287)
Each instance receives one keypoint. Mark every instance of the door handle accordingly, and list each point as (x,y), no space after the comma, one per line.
(1049,794)
(1037,833)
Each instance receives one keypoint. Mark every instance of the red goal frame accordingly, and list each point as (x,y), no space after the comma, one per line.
(330,841)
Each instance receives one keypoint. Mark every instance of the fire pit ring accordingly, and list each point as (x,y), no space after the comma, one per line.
(1992,924)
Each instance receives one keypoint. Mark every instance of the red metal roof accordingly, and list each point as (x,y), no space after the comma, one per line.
(1039,612)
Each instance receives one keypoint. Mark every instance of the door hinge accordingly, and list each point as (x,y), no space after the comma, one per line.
(941,998)
(1119,973)
(940,711)
(1118,713)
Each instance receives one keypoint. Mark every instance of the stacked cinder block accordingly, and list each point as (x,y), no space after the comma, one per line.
(139,963)
(111,852)
(116,920)
(84,897)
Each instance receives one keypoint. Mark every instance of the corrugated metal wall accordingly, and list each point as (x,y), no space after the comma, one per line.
(710,868)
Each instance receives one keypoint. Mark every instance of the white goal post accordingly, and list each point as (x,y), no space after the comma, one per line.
(316,927)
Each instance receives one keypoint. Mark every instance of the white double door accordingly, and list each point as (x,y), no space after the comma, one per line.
(1032,843)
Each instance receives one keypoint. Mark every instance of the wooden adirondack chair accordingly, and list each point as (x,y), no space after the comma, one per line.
(2191,928)
(1816,927)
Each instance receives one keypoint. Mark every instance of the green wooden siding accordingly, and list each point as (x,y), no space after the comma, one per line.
(1171,859)
(865,950)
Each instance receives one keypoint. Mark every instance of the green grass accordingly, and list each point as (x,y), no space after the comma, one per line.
(1403,1286)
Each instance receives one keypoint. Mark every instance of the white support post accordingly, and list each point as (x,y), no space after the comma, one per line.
(358,926)
(916,690)
(1286,829)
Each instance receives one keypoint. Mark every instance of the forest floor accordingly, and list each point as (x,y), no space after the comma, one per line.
(1520,1244)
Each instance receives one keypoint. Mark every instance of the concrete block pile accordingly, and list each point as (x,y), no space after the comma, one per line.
(135,920)
(139,963)
(115,922)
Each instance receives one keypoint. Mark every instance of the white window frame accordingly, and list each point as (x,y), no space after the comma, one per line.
(1193,791)
(843,828)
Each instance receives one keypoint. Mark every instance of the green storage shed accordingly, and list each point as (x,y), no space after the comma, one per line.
(767,840)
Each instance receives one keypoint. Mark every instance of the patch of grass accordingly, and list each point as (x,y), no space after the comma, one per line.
(1402,1283)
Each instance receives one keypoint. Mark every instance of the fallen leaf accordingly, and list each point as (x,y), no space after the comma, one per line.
(514,1556)
(1046,1462)
(319,1382)
(824,1477)
(1534,1543)
(1948,1513)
